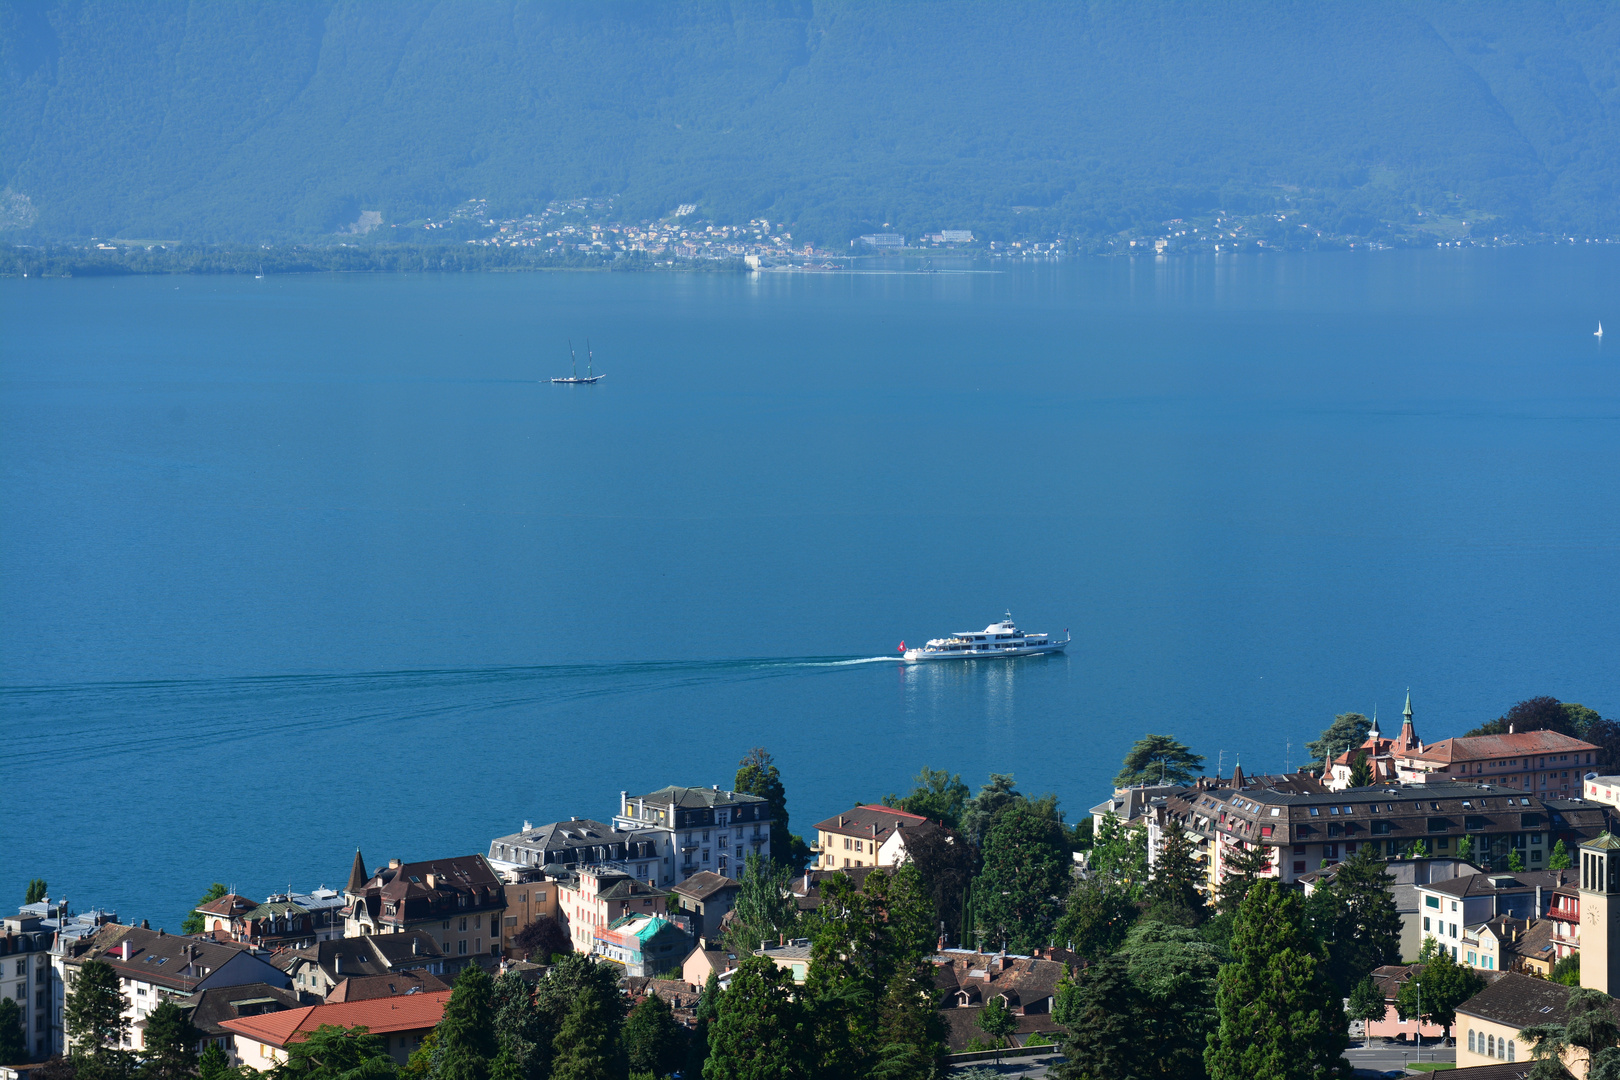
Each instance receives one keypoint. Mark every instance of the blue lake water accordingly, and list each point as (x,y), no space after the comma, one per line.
(295,564)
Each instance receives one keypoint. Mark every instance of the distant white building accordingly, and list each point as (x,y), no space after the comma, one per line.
(882,240)
(956,236)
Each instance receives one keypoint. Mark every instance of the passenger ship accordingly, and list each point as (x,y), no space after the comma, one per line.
(997,639)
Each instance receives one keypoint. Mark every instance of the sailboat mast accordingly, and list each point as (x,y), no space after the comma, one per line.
(590,358)
(573,361)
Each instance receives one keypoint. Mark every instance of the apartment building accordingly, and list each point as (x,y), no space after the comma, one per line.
(459,901)
(695,829)
(153,966)
(864,836)
(594,897)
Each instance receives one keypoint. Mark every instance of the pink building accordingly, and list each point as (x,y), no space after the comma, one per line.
(1389,979)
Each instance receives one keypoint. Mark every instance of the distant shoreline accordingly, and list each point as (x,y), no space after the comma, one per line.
(135,260)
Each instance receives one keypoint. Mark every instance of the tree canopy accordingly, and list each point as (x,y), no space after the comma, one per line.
(937,795)
(1159,759)
(757,774)
(759,1031)
(193,922)
(1026,875)
(35,891)
(1348,731)
(1437,988)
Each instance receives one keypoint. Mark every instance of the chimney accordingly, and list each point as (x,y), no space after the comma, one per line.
(1539,909)
(393,864)
(145,925)
(337,964)
(416,946)
(129,949)
(432,880)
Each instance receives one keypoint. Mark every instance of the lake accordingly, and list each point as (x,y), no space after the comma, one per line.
(293,565)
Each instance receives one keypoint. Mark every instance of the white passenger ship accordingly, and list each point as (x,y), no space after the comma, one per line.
(997,639)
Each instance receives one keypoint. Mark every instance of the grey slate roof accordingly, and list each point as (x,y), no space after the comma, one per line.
(692,797)
(217,1004)
(1506,882)
(1518,1001)
(704,884)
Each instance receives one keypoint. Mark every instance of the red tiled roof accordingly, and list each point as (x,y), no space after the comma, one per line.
(380,1015)
(1519,743)
(871,822)
(228,905)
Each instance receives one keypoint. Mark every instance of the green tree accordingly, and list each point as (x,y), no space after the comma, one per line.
(983,809)
(574,976)
(1361,774)
(584,1045)
(467,1043)
(1465,847)
(708,1007)
(757,774)
(764,909)
(998,1022)
(1354,916)
(1367,1004)
(13,1046)
(171,1044)
(1177,875)
(1568,970)
(1120,852)
(214,1064)
(542,938)
(935,794)
(1146,1011)
(759,1030)
(1418,849)
(520,1028)
(1589,1034)
(1241,867)
(94,1011)
(947,864)
(866,946)
(653,1042)
(1348,731)
(35,892)
(1279,1016)
(1441,984)
(337,1053)
(1026,873)
(1559,859)
(193,922)
(910,1029)
(1515,862)
(1159,759)
(1096,917)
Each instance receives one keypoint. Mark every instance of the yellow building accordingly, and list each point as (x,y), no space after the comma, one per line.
(865,836)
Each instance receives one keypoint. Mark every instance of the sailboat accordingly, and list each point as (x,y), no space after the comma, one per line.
(590,360)
(1599,333)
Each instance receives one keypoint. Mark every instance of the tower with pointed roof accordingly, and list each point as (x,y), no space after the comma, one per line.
(1600,896)
(1408,739)
(357,874)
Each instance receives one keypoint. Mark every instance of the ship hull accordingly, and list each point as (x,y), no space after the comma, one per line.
(985,654)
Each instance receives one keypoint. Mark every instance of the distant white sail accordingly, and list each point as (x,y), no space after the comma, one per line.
(1599,333)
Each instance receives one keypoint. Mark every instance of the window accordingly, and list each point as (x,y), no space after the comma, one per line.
(463,947)
(858,846)
(1471,1049)
(1334,810)
(848,843)
(1375,808)
(1490,1041)
(478,921)
(1315,812)
(463,922)
(1510,1041)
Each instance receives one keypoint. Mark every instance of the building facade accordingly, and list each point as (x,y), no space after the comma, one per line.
(695,829)
(316,971)
(153,966)
(1451,908)
(459,901)
(260,1042)
(595,897)
(562,845)
(865,836)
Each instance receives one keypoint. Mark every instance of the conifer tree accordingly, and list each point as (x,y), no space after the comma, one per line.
(171,1044)
(1241,867)
(764,908)
(653,1042)
(1361,774)
(584,1048)
(1279,1016)
(1119,853)
(1177,875)
(13,1047)
(759,1031)
(573,976)
(757,774)
(94,1011)
(708,1007)
(1559,859)
(214,1064)
(1354,916)
(35,891)
(1096,917)
(467,1042)
(520,1029)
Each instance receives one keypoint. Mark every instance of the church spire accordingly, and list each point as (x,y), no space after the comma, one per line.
(357,875)
(1409,739)
(1237,777)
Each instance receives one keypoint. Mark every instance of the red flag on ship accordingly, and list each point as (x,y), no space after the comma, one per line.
(902,647)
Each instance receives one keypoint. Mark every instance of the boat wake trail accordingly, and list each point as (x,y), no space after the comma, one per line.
(158,717)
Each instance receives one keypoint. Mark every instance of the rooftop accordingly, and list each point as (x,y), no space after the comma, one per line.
(378,1015)
(1517,1001)
(695,797)
(1494,883)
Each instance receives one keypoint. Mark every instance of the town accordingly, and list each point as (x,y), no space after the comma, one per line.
(1444,902)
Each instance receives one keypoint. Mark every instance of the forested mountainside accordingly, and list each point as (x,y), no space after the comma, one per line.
(285,119)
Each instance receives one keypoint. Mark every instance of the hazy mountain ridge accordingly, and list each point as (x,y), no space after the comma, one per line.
(205,121)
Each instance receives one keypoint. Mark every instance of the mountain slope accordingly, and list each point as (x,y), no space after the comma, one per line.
(278,120)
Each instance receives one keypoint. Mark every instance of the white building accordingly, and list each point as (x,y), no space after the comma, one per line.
(693,829)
